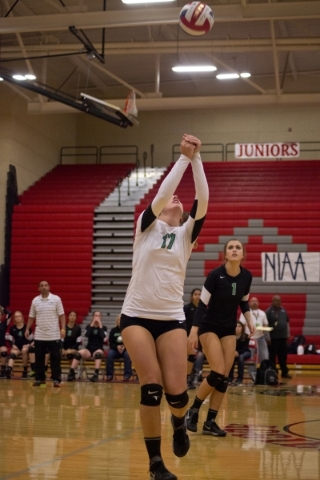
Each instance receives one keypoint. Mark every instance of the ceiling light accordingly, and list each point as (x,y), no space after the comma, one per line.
(245,75)
(194,68)
(146,1)
(227,76)
(19,77)
(29,76)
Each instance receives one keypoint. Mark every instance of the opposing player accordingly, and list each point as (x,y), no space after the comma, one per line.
(225,288)
(153,321)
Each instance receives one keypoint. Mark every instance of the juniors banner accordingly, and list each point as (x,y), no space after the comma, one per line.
(267,150)
(290,267)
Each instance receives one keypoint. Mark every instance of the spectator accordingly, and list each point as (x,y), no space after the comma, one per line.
(278,319)
(241,354)
(5,316)
(189,310)
(259,318)
(117,350)
(47,310)
(96,335)
(20,345)
(72,340)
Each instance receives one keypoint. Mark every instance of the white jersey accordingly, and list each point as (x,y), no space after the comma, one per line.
(160,256)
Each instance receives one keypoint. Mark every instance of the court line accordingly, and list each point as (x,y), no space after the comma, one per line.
(70,454)
(287,429)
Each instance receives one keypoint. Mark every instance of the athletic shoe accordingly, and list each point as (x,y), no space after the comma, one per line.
(8,373)
(192,420)
(237,383)
(32,374)
(211,428)
(24,375)
(94,378)
(286,376)
(71,376)
(39,383)
(190,385)
(158,471)
(56,383)
(126,379)
(109,378)
(181,442)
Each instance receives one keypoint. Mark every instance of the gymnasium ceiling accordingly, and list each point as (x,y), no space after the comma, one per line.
(277,41)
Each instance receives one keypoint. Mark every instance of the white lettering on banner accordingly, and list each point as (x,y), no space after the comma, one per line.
(267,150)
(290,267)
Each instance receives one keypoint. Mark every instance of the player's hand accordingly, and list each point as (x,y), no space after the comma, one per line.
(62,333)
(193,338)
(26,334)
(193,140)
(252,329)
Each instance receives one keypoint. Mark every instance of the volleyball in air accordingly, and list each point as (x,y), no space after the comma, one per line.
(196,18)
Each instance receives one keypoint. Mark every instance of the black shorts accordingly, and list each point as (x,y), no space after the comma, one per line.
(93,349)
(3,342)
(155,327)
(219,330)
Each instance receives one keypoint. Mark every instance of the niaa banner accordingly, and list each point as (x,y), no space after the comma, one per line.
(290,267)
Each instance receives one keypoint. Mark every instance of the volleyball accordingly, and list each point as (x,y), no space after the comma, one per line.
(196,18)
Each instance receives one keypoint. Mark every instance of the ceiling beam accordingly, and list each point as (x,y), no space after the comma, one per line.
(157,16)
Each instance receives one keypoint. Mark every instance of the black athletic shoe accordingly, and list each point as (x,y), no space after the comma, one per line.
(71,376)
(39,383)
(181,442)
(192,420)
(8,373)
(158,471)
(94,378)
(211,428)
(56,383)
(24,376)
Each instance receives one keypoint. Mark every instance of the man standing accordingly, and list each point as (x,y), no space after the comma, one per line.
(48,311)
(278,319)
(259,318)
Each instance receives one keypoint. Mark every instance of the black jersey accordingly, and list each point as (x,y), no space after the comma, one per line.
(227,293)
(4,321)
(96,337)
(18,335)
(189,311)
(72,339)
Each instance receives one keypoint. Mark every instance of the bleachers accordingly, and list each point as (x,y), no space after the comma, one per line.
(270,206)
(52,234)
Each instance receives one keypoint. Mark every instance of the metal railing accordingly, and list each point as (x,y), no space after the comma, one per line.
(76,152)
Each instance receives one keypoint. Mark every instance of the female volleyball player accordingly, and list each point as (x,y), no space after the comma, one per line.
(225,288)
(153,322)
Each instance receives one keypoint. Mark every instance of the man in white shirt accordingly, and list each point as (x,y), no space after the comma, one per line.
(259,319)
(48,312)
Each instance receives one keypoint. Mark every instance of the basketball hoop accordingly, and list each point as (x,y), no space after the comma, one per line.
(130,107)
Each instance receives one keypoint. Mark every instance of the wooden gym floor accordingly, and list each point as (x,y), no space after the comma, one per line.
(92,431)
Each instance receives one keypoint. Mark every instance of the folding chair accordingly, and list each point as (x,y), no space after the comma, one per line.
(250,365)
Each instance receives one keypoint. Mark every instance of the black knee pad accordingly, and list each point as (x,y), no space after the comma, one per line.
(191,358)
(151,394)
(214,378)
(77,356)
(13,356)
(223,385)
(98,356)
(4,354)
(32,350)
(70,356)
(178,401)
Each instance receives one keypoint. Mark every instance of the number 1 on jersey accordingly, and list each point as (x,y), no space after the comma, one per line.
(234,288)
(172,237)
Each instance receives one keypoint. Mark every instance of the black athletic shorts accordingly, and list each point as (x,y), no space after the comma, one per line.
(220,331)
(93,349)
(3,342)
(155,327)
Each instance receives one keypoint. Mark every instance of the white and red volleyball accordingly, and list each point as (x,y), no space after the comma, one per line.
(196,18)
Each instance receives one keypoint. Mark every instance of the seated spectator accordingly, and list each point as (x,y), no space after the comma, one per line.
(5,316)
(198,365)
(72,340)
(242,353)
(20,345)
(117,350)
(96,335)
(260,320)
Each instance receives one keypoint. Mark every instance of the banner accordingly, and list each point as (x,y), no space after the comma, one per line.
(267,150)
(290,267)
